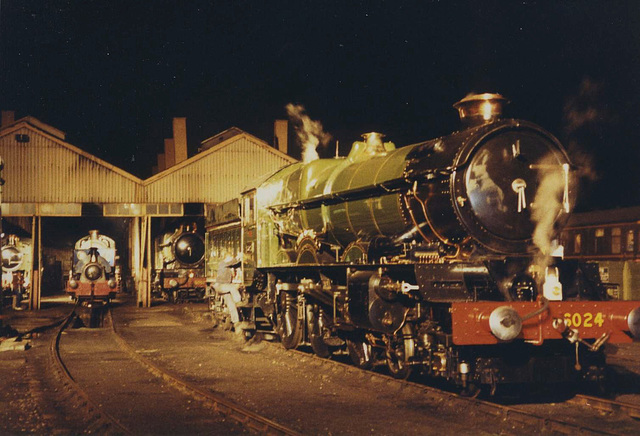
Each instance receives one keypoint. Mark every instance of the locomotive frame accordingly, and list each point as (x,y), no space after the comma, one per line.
(428,258)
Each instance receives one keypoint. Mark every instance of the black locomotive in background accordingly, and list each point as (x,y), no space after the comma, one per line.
(179,262)
(439,257)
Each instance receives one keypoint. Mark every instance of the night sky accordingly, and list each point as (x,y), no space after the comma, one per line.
(112,73)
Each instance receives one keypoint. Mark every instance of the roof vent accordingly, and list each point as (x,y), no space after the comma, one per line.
(476,109)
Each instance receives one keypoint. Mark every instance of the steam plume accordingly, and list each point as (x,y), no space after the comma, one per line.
(310,133)
(551,200)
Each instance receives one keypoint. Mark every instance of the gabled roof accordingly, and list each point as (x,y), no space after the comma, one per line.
(37,124)
(67,174)
(57,136)
(257,141)
(218,138)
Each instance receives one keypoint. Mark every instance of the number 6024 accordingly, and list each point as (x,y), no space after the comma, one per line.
(583,319)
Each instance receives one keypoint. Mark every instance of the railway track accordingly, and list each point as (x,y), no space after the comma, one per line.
(236,412)
(445,406)
(512,419)
(605,405)
(98,420)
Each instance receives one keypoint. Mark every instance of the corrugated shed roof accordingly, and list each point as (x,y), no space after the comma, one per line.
(47,169)
(217,174)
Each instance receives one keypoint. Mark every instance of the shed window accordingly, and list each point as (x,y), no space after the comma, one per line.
(616,240)
(630,240)
(577,243)
(599,241)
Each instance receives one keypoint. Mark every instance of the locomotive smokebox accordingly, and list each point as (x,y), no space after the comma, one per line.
(477,109)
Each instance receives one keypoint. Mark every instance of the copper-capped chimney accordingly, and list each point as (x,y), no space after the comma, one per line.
(476,109)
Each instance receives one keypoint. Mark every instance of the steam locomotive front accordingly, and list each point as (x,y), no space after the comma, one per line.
(502,185)
(181,257)
(188,249)
(93,273)
(16,266)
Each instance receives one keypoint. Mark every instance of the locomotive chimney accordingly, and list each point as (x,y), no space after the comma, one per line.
(93,234)
(476,109)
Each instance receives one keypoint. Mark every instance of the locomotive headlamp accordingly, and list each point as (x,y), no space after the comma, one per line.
(111,283)
(505,323)
(93,272)
(173,283)
(73,284)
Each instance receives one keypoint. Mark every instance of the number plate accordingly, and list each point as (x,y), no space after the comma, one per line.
(584,319)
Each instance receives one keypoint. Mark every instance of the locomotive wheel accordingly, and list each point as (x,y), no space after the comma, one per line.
(360,352)
(396,364)
(289,326)
(316,323)
(472,390)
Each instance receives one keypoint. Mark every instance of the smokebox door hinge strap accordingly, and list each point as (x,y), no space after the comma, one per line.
(518,186)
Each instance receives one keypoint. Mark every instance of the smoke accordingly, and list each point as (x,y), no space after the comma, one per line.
(552,198)
(310,133)
(585,118)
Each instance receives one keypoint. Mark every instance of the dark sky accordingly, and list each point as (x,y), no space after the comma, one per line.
(112,73)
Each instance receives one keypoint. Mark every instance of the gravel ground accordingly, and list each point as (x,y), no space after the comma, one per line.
(142,402)
(302,393)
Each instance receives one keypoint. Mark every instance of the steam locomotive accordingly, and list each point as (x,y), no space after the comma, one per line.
(438,257)
(16,270)
(179,260)
(92,279)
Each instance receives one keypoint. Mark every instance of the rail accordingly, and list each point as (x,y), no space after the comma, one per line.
(98,420)
(228,408)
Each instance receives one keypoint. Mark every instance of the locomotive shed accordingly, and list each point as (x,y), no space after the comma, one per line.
(298,391)
(55,193)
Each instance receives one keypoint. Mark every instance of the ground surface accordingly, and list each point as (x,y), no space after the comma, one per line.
(299,392)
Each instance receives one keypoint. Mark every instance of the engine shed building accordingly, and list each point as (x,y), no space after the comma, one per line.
(46,177)
(612,238)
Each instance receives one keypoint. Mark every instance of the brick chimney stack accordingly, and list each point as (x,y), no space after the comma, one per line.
(280,135)
(8,117)
(180,139)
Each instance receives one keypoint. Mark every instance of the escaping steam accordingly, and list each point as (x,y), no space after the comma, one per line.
(310,133)
(552,199)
